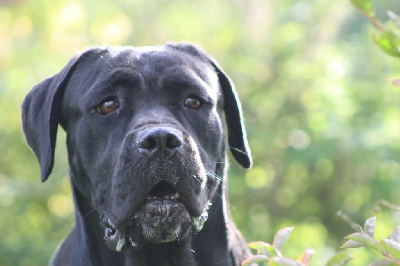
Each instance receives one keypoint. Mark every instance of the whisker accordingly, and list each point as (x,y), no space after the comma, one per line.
(106,61)
(214,176)
(87,214)
(238,150)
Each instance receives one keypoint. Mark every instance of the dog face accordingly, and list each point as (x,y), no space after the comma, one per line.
(145,142)
(145,136)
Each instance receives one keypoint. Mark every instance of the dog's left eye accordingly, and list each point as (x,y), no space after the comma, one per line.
(107,107)
(192,103)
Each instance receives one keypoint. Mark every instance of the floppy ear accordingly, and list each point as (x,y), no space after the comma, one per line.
(237,138)
(41,113)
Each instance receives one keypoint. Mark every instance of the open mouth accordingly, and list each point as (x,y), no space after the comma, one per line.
(163,190)
(161,218)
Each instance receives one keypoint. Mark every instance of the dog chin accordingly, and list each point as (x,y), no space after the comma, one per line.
(162,220)
(157,221)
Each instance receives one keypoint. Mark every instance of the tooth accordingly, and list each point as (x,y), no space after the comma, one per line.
(120,243)
(109,222)
(108,233)
(176,195)
(133,243)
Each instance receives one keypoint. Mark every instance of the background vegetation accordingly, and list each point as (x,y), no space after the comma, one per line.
(322,116)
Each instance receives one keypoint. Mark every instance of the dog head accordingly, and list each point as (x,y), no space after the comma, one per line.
(145,136)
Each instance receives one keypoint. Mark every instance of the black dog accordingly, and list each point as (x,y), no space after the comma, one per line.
(147,155)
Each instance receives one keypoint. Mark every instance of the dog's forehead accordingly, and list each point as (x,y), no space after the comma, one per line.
(150,63)
(157,58)
(117,51)
(150,68)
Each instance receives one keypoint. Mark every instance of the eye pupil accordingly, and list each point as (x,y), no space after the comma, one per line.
(107,107)
(192,103)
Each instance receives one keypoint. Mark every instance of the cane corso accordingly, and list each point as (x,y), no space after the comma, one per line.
(147,155)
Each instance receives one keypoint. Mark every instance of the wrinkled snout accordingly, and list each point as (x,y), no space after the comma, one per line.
(159,186)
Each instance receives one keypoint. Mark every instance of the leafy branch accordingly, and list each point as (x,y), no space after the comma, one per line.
(386,35)
(272,254)
(388,247)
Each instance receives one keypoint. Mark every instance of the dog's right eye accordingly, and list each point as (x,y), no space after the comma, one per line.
(107,107)
(192,103)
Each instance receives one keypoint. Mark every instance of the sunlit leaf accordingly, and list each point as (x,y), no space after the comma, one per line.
(352,244)
(395,235)
(389,42)
(305,258)
(364,5)
(281,261)
(369,226)
(263,248)
(255,259)
(366,240)
(339,259)
(392,247)
(281,237)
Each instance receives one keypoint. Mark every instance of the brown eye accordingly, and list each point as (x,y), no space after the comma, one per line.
(107,107)
(192,103)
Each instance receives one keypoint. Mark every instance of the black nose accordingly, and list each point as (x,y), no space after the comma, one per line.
(157,141)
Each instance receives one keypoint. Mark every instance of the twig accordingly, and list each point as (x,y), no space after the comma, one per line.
(374,21)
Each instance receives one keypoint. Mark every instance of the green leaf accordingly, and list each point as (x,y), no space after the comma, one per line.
(367,241)
(364,5)
(352,244)
(263,248)
(369,226)
(339,259)
(255,259)
(392,247)
(281,237)
(280,261)
(389,42)
(305,258)
(384,262)
(395,235)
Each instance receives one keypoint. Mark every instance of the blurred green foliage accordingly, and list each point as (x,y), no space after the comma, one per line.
(322,117)
(385,35)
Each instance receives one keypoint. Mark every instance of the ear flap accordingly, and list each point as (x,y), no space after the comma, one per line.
(41,113)
(237,138)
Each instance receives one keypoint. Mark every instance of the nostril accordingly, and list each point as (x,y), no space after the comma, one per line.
(148,143)
(172,142)
(159,141)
